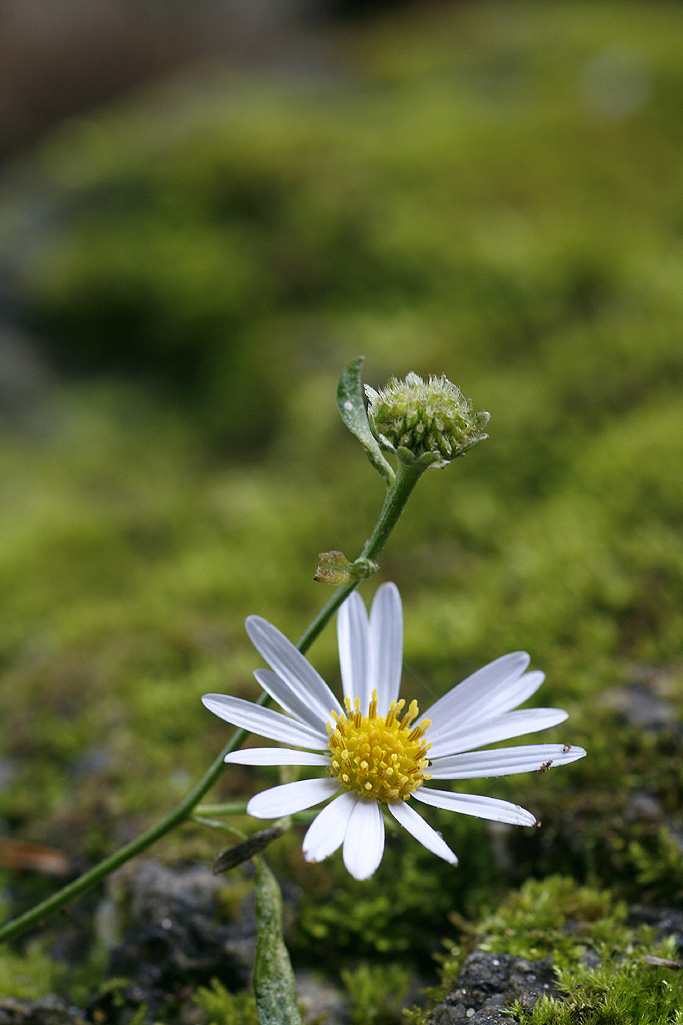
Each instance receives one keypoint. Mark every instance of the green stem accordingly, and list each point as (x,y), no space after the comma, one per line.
(397,495)
(406,478)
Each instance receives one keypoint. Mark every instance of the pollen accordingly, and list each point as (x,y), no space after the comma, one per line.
(379,757)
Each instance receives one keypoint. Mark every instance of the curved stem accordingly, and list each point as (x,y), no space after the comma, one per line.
(394,503)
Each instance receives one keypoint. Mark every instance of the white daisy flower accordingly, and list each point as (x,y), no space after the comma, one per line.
(377,753)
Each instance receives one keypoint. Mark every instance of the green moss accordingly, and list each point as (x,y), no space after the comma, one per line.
(30,975)
(376,993)
(457,205)
(224,1007)
(555,917)
(629,992)
(622,989)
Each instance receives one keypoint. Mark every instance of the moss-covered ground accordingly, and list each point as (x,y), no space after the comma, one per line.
(490,191)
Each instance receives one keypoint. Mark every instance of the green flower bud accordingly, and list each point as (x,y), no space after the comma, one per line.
(429,422)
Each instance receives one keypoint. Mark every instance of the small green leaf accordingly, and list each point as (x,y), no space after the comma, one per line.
(354,415)
(333,568)
(274,985)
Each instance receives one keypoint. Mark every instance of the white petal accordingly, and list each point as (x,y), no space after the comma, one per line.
(264,721)
(291,666)
(481,807)
(474,696)
(512,724)
(518,690)
(352,635)
(364,839)
(422,832)
(503,762)
(275,756)
(385,646)
(291,702)
(291,797)
(327,830)
(503,697)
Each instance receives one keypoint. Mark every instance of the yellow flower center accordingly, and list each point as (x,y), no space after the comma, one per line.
(378,756)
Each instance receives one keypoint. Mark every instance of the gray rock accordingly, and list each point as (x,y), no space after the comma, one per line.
(320,1000)
(643,807)
(48,1011)
(643,706)
(667,921)
(488,983)
(25,381)
(176,940)
(591,959)
(8,772)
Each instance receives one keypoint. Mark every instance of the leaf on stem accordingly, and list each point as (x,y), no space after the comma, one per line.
(256,843)
(333,568)
(274,985)
(353,413)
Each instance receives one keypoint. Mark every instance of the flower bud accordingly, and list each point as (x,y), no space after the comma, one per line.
(429,422)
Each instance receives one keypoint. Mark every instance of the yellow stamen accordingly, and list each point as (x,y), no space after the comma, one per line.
(379,757)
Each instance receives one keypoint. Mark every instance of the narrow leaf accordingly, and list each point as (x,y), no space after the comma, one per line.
(274,985)
(354,415)
(243,851)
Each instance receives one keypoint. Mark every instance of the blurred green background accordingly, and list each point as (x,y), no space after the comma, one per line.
(493,191)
